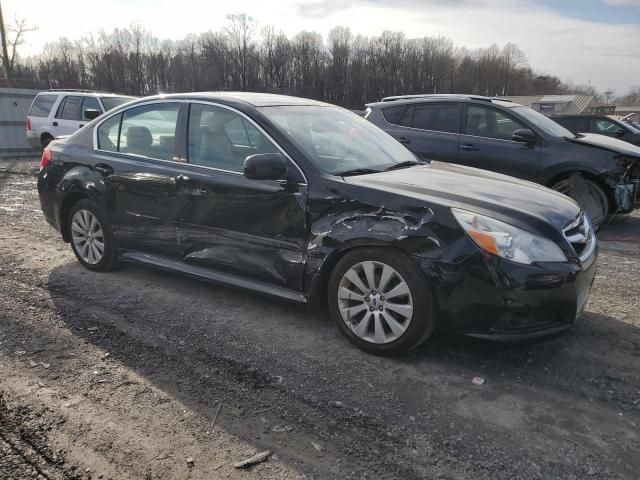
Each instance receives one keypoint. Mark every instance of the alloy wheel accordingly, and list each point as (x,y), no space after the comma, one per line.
(375,302)
(87,236)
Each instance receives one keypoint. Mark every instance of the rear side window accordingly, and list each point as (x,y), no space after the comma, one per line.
(443,117)
(69,109)
(150,130)
(108,133)
(42,105)
(393,114)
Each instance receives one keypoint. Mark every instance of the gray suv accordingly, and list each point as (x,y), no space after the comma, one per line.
(600,173)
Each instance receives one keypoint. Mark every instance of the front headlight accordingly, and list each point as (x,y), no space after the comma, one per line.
(507,241)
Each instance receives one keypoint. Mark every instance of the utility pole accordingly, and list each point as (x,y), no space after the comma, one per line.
(5,50)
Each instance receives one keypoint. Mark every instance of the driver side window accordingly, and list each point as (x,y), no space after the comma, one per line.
(490,123)
(221,138)
(603,127)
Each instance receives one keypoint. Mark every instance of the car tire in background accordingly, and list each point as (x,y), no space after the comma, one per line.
(45,140)
(589,195)
(381,301)
(91,237)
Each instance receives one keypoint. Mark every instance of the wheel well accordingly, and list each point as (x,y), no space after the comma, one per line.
(588,176)
(320,290)
(45,135)
(69,201)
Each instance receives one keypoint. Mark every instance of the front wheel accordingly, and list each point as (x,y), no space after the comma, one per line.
(381,301)
(589,195)
(91,238)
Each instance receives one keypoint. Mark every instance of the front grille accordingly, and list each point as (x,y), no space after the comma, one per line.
(579,233)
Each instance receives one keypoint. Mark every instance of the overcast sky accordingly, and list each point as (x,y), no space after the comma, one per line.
(583,41)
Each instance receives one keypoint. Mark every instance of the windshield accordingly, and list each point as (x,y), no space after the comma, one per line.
(337,140)
(112,102)
(544,123)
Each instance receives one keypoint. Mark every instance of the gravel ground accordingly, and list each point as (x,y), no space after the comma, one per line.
(141,374)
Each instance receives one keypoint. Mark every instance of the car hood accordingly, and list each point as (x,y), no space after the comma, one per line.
(608,143)
(517,202)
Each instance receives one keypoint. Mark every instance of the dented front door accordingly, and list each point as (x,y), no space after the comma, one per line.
(255,229)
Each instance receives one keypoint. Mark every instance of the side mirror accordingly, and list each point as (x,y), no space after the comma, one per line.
(620,132)
(91,113)
(524,135)
(265,166)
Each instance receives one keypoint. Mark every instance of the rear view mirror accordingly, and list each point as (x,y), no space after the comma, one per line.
(91,113)
(265,166)
(620,132)
(524,135)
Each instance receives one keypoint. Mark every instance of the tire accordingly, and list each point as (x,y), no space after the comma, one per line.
(369,321)
(45,140)
(589,195)
(87,222)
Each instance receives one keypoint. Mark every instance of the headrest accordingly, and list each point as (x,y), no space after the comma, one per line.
(139,137)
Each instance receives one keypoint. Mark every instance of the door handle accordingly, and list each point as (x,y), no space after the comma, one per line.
(104,170)
(80,126)
(469,148)
(55,124)
(404,140)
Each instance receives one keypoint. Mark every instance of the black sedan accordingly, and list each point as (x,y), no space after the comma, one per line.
(311,203)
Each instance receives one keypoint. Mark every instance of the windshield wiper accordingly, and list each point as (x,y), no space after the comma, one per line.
(408,163)
(357,171)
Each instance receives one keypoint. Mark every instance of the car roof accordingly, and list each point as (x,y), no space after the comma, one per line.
(409,99)
(250,98)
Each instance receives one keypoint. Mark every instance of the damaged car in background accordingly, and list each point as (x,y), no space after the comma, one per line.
(308,202)
(599,172)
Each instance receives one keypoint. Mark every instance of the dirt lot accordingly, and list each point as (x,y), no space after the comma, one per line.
(140,374)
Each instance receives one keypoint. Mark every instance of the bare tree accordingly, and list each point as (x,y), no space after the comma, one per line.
(240,31)
(12,37)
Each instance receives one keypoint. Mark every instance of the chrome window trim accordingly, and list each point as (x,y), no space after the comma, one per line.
(204,102)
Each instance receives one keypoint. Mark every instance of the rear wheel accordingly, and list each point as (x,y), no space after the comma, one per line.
(91,238)
(589,195)
(380,301)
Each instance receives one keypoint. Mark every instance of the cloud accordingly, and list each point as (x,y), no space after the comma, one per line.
(624,3)
(579,50)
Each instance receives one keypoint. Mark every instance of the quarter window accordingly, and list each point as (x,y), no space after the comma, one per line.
(108,133)
(149,130)
(437,117)
(221,138)
(70,108)
(490,123)
(393,114)
(42,105)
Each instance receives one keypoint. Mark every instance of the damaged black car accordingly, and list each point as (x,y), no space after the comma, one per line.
(308,202)
(600,173)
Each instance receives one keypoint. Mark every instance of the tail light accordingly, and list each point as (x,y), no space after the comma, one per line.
(28,124)
(47,156)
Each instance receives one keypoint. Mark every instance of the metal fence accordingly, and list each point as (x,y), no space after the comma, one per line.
(14,106)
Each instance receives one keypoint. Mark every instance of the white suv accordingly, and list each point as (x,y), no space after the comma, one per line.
(61,112)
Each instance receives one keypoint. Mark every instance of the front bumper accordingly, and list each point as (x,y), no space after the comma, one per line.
(489,297)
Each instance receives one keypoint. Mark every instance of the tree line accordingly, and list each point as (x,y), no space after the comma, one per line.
(345,69)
